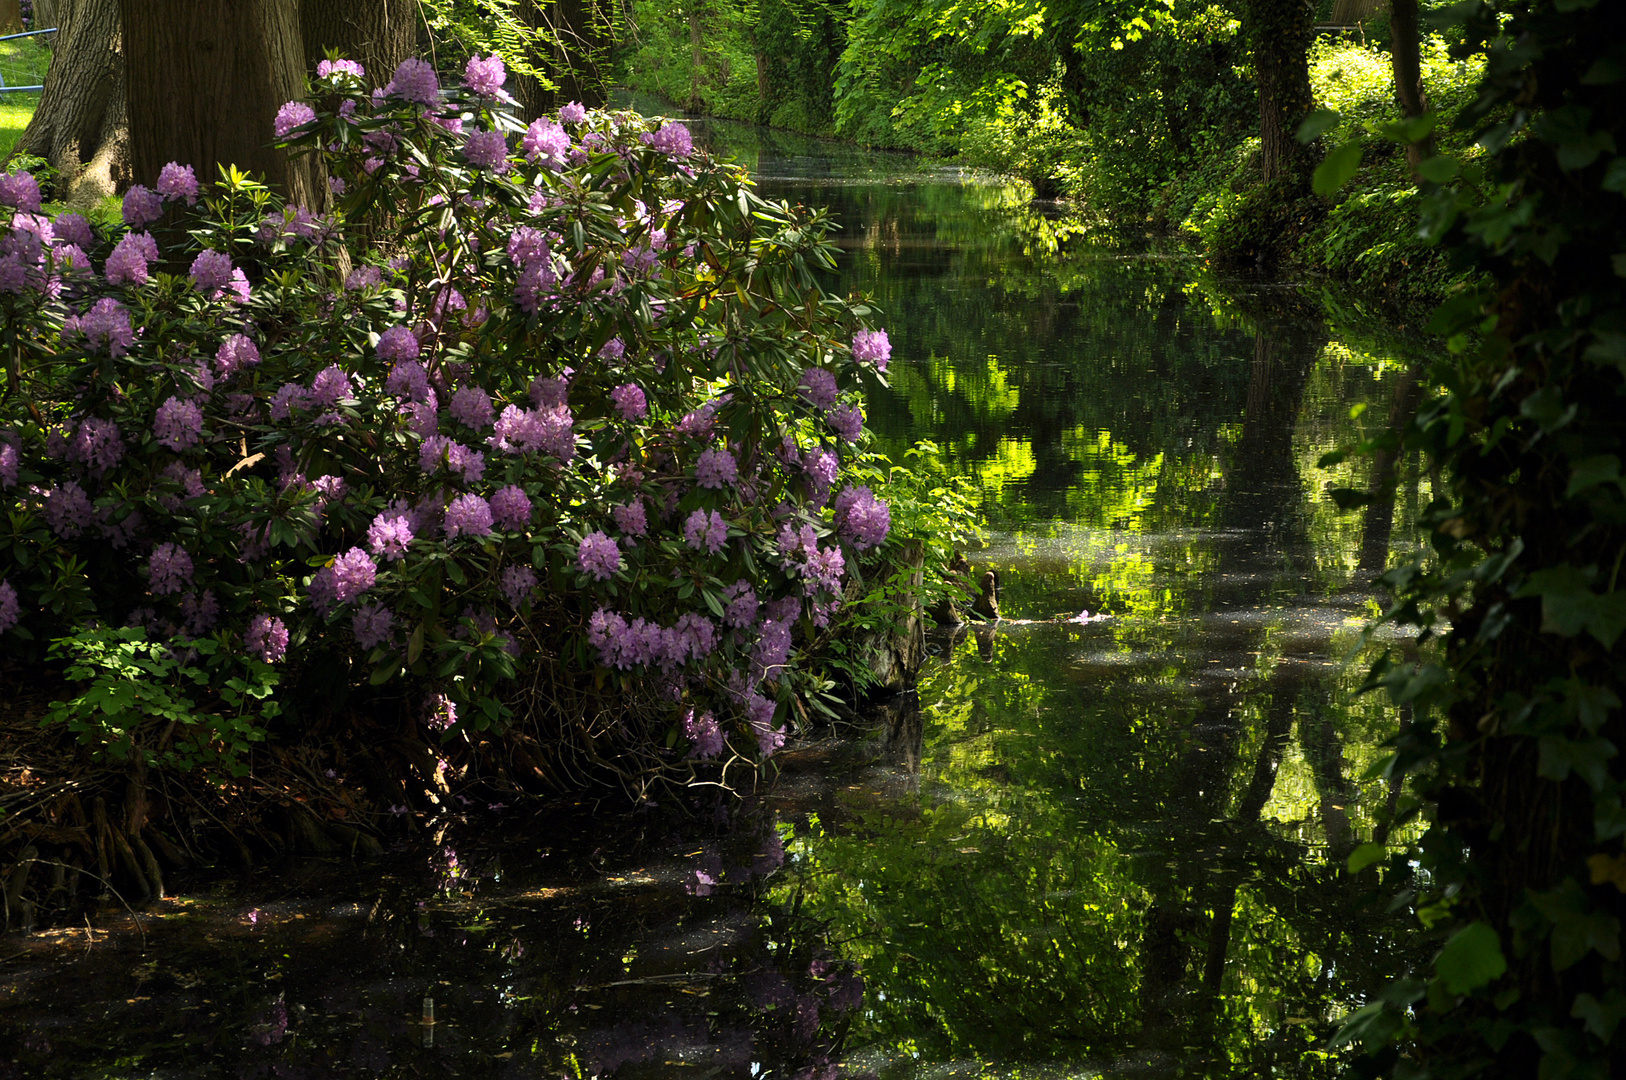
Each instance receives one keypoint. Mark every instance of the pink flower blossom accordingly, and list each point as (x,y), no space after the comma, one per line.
(632,518)
(862,517)
(235,353)
(127,265)
(67,510)
(389,535)
(472,406)
(673,140)
(707,736)
(819,387)
(96,443)
(742,605)
(349,576)
(573,113)
(847,421)
(517,584)
(525,431)
(73,229)
(328,69)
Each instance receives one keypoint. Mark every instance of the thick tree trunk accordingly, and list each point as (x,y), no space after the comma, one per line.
(1280,32)
(1406,47)
(205,82)
(697,59)
(1350,12)
(47,13)
(11,16)
(583,31)
(81,126)
(377,33)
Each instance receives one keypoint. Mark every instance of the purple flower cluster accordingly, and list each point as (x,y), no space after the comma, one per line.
(598,556)
(485,77)
(707,736)
(468,515)
(629,401)
(717,468)
(872,346)
(572,113)
(526,431)
(397,343)
(177,181)
(142,206)
(518,583)
(743,605)
(21,190)
(327,69)
(821,467)
(106,324)
(673,140)
(178,424)
(632,518)
(415,80)
(546,142)
(847,421)
(211,270)
(486,150)
(622,644)
(389,535)
(293,114)
(9,610)
(511,508)
(169,570)
(862,517)
(372,624)
(96,443)
(819,388)
(68,511)
(472,406)
(346,578)
(236,352)
(701,530)
(127,265)
(8,465)
(267,638)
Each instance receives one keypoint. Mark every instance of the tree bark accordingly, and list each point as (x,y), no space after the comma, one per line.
(11,16)
(1350,12)
(81,126)
(205,82)
(1280,32)
(697,60)
(47,13)
(377,33)
(1406,49)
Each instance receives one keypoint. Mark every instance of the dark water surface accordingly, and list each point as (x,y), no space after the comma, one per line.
(1090,848)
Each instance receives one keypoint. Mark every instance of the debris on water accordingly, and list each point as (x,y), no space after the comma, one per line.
(1084,617)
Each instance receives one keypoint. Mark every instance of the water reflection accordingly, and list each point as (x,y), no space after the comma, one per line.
(1124,851)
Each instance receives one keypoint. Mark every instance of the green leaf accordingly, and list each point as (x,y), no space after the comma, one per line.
(1590,472)
(1602,1017)
(1472,958)
(1577,929)
(1316,125)
(1337,168)
(1587,757)
(1365,856)
(1568,604)
(1439,168)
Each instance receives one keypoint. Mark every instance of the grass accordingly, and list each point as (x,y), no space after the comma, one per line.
(22,63)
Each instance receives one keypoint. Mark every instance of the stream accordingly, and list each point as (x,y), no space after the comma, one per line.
(1107,836)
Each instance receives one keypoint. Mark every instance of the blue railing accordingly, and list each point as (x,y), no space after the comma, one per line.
(9,37)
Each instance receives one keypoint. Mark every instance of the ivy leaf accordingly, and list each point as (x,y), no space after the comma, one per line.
(1372,1026)
(1576,928)
(1568,604)
(1602,1017)
(1439,168)
(1316,125)
(1590,472)
(1472,958)
(1608,818)
(1588,758)
(1337,168)
(1364,856)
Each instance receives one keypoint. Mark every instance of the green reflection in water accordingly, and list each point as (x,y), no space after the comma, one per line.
(1123,849)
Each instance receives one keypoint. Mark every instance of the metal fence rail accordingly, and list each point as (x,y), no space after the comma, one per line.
(4,89)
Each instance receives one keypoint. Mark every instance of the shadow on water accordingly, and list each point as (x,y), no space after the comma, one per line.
(1105,846)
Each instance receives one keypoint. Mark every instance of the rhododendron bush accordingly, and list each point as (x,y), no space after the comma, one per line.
(544,418)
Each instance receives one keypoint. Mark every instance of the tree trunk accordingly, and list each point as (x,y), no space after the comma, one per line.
(1280,32)
(47,13)
(1405,47)
(697,58)
(81,126)
(582,30)
(205,82)
(11,16)
(377,33)
(1351,12)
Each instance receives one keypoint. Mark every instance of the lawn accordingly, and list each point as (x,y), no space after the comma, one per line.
(22,63)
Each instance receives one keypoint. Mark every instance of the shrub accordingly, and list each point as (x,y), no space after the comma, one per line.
(557,408)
